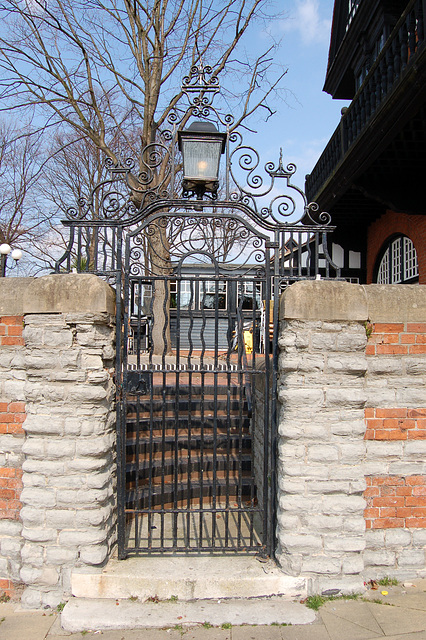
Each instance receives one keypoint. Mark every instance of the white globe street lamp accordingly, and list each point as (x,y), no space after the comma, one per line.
(5,250)
(16,254)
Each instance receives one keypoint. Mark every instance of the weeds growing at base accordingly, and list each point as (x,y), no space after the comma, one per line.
(387,582)
(316,601)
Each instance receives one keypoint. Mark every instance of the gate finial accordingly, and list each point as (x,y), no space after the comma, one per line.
(198,82)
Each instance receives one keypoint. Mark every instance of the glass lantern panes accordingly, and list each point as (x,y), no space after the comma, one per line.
(201,159)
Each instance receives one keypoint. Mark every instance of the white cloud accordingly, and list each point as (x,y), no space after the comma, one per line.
(35,7)
(306,19)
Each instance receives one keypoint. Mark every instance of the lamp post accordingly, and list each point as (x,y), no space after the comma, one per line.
(201,146)
(5,250)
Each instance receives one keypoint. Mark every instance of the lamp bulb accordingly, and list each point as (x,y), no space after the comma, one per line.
(202,166)
(16,254)
(4,249)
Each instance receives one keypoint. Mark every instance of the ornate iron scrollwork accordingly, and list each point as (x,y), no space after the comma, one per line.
(143,192)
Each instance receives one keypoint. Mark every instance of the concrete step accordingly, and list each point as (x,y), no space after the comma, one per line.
(188,460)
(185,391)
(185,578)
(105,614)
(169,405)
(171,425)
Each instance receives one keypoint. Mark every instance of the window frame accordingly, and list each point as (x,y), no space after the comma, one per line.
(204,293)
(397,262)
(184,289)
(255,295)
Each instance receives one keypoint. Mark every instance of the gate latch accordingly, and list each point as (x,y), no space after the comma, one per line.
(139,382)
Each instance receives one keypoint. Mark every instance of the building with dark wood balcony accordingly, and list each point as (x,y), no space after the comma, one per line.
(371,177)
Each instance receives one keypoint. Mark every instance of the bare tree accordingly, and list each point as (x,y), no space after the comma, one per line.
(74,57)
(21,161)
(73,169)
(106,67)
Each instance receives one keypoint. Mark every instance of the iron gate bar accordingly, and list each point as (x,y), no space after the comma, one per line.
(274,399)
(251,405)
(266,434)
(203,347)
(189,461)
(216,336)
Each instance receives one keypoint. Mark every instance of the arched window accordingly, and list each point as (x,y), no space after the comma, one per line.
(398,263)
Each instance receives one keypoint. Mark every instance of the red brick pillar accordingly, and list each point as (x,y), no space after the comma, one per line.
(396,439)
(12,416)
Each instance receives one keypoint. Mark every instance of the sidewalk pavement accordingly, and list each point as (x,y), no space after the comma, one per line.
(399,614)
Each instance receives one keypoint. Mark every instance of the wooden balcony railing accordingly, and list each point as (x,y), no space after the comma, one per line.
(399,52)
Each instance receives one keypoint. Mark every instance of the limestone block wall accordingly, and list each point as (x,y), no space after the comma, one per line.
(351,434)
(351,473)
(59,378)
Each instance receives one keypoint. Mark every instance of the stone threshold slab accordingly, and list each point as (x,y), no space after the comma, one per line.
(186,578)
(81,614)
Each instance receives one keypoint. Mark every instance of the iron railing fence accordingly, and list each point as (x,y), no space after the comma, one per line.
(190,467)
(97,248)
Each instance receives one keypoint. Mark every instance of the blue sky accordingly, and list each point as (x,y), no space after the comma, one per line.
(309,116)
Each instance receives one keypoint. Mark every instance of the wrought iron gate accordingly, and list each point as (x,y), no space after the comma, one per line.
(196,350)
(197,282)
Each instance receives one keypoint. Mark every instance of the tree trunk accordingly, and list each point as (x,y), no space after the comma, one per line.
(159,254)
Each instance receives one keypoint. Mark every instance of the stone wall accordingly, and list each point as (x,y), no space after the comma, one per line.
(351,468)
(351,442)
(59,378)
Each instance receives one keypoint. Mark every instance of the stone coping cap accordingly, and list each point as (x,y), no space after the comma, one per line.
(328,300)
(57,293)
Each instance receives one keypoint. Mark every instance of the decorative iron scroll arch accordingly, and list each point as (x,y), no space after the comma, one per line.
(135,191)
(198,234)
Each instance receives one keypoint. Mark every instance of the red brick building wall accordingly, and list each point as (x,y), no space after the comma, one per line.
(396,501)
(397,338)
(12,417)
(391,223)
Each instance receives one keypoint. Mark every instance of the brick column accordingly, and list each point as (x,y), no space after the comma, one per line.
(12,416)
(57,432)
(395,418)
